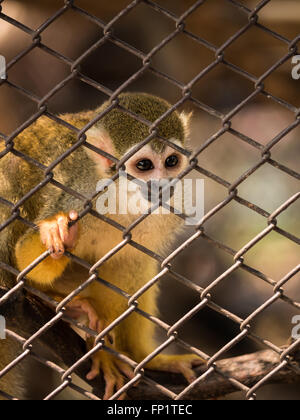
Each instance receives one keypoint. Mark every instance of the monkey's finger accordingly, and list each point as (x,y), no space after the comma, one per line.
(109,387)
(73,215)
(62,222)
(45,236)
(71,237)
(120,384)
(57,244)
(68,235)
(93,318)
(48,240)
(94,372)
(126,370)
(198,362)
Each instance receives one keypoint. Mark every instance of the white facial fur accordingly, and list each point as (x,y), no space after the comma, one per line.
(159,172)
(160,169)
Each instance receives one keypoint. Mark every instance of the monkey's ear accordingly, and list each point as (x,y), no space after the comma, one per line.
(100,138)
(186,120)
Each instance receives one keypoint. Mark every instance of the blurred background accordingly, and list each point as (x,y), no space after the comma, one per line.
(222,89)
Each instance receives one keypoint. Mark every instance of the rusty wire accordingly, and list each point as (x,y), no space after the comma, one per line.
(205,300)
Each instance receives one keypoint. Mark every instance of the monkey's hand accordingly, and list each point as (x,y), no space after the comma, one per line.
(79,307)
(56,234)
(181,363)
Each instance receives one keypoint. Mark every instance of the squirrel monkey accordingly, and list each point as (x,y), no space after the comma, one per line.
(91,238)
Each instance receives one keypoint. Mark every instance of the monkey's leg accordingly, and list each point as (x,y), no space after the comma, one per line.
(55,235)
(140,333)
(177,363)
(103,308)
(112,368)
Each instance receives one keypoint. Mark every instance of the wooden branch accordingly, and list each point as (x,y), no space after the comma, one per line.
(247,369)
(27,314)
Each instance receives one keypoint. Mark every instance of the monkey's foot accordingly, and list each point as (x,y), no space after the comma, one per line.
(114,371)
(56,235)
(181,363)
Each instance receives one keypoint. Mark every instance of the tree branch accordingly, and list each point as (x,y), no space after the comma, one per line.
(248,369)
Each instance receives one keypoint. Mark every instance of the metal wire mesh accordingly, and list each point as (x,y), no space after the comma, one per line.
(277,292)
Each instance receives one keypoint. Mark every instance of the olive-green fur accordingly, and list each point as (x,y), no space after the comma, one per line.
(126,131)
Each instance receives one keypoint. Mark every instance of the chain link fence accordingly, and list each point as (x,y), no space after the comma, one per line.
(217,376)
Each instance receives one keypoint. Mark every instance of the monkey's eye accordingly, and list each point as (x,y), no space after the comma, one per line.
(145,165)
(171,161)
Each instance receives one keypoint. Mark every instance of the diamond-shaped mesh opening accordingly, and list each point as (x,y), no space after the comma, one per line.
(264,197)
(223,99)
(175,65)
(70,23)
(35,79)
(110,55)
(108,11)
(145,15)
(227,21)
(268,50)
(249,121)
(233,232)
(281,20)
(289,218)
(230,149)
(264,255)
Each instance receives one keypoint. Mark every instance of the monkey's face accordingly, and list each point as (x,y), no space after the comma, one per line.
(148,165)
(153,167)
(154,172)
